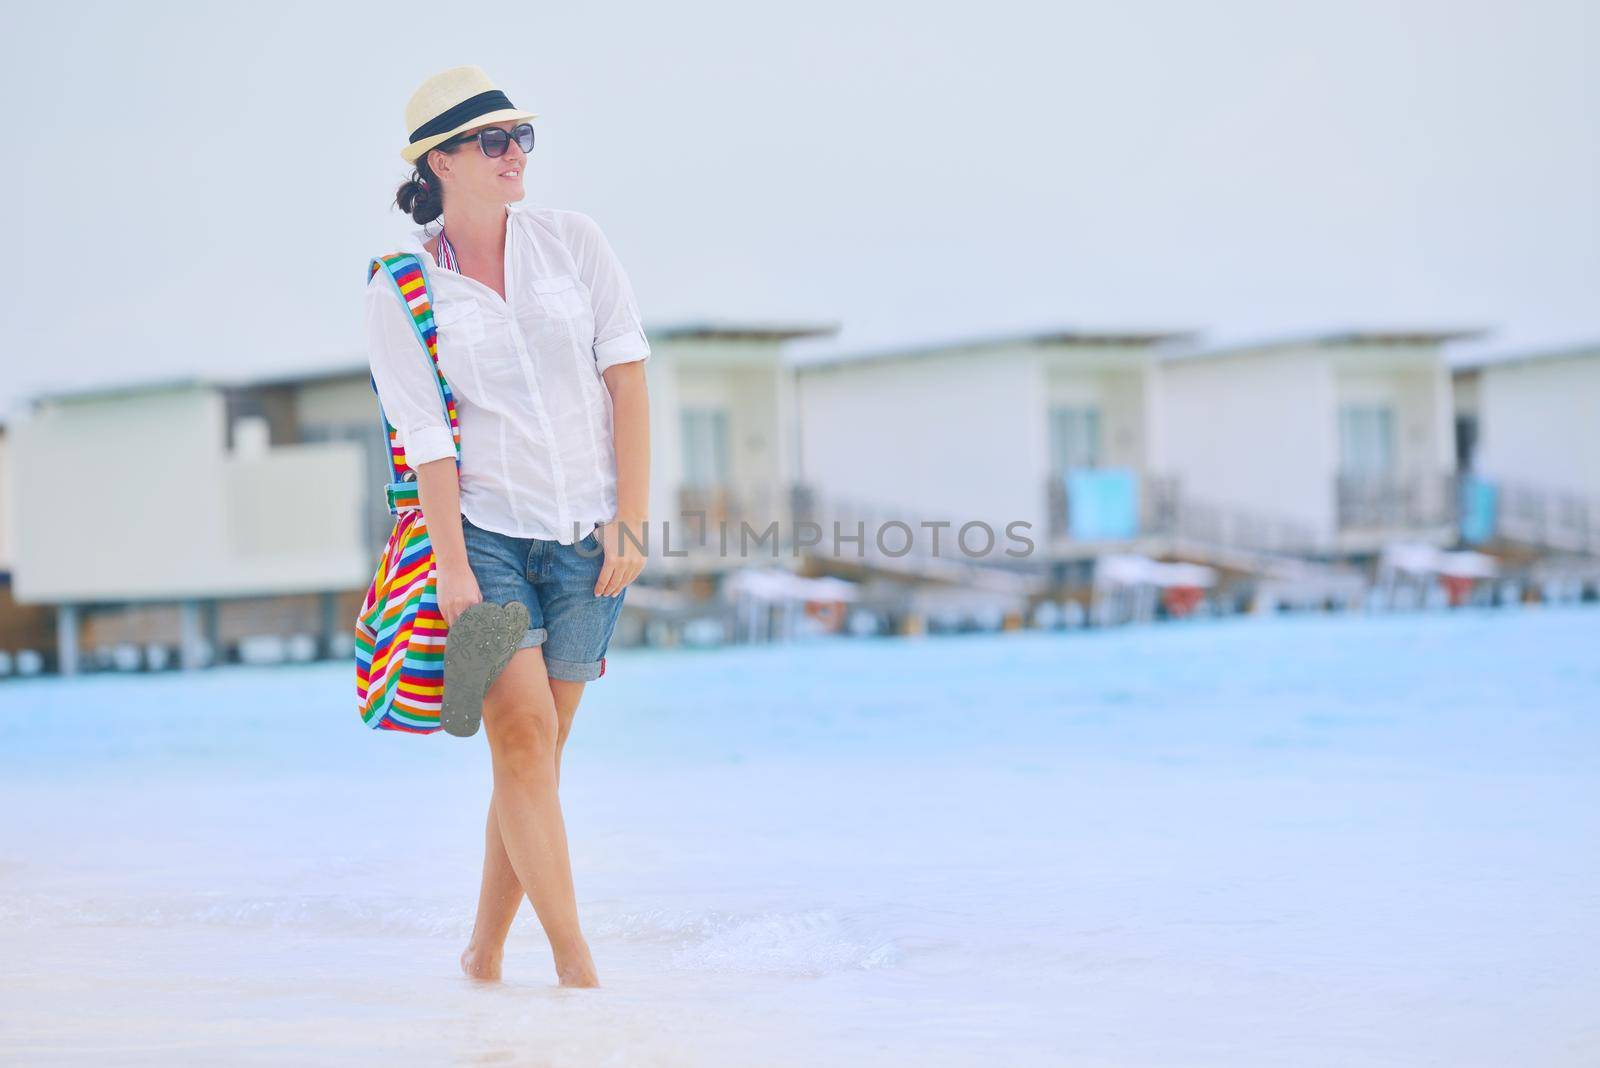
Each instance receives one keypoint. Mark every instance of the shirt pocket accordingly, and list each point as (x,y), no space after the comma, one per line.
(459,323)
(561,296)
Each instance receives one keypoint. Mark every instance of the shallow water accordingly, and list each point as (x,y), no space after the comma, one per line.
(1307,840)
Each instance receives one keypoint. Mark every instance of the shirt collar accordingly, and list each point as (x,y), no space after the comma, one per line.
(413,241)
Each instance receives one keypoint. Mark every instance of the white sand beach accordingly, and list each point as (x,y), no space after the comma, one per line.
(1317,841)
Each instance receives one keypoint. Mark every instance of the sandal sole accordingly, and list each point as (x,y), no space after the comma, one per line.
(478,646)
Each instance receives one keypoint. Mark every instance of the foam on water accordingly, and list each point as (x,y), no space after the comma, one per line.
(806,943)
(809,943)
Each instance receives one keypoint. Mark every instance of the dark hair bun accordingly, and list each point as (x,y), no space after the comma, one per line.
(420,197)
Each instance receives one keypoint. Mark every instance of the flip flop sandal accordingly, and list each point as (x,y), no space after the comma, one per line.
(477,647)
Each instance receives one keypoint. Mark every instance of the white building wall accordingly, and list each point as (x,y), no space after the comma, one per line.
(1539,423)
(666,446)
(157,508)
(755,432)
(958,436)
(1421,400)
(750,398)
(1442,402)
(1125,420)
(8,512)
(340,402)
(747,380)
(1253,431)
(1114,379)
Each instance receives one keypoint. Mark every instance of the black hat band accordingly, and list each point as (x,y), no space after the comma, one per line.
(470,108)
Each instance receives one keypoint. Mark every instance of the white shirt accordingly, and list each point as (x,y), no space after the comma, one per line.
(536,450)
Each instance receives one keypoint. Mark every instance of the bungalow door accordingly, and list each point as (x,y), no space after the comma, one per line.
(706,463)
(1366,440)
(1074,438)
(1368,494)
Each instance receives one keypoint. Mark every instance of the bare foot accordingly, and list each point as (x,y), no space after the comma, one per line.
(479,964)
(575,967)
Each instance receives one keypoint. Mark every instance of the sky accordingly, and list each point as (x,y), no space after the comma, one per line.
(199,186)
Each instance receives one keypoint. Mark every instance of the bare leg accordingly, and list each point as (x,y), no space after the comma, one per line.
(519,716)
(501,895)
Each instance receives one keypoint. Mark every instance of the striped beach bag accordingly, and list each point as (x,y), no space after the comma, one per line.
(400,632)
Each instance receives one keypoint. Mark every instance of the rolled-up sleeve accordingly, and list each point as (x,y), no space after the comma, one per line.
(618,331)
(408,387)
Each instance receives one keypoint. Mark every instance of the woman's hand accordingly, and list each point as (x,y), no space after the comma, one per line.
(457,589)
(624,559)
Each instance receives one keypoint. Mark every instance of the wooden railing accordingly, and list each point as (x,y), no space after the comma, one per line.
(703,510)
(858,522)
(1158,506)
(1395,501)
(1546,518)
(1165,510)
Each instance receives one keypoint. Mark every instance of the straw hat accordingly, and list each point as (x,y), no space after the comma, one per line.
(453,102)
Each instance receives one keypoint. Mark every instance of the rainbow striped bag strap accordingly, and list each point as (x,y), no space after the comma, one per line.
(410,284)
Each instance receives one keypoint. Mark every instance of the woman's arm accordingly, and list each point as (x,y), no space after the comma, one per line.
(439,490)
(630,434)
(408,388)
(620,351)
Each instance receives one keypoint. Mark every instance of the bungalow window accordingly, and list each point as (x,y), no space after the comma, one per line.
(705,447)
(1074,438)
(1366,439)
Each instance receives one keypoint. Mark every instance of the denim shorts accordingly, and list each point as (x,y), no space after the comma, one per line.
(557,584)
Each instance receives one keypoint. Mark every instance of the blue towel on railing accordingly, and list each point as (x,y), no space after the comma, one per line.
(1479,510)
(1102,503)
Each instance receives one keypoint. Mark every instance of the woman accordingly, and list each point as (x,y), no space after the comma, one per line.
(540,339)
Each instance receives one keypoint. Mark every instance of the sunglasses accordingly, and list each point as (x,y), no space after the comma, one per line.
(494,141)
